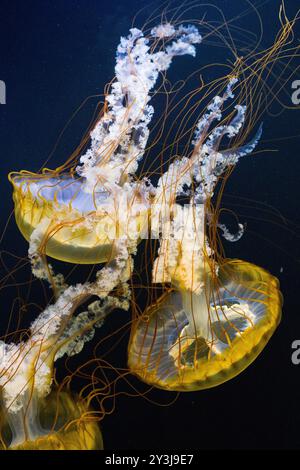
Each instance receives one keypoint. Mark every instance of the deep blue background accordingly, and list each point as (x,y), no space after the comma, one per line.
(53,55)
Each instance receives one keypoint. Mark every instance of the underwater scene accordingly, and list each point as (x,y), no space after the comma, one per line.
(150,223)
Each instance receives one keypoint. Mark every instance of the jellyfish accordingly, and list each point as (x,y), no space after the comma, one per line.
(35,413)
(215,317)
(61,422)
(77,215)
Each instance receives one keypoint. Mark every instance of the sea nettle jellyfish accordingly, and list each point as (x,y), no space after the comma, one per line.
(216,314)
(35,413)
(78,216)
(215,318)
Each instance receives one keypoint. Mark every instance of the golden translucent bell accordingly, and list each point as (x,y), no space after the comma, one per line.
(64,423)
(163,355)
(71,235)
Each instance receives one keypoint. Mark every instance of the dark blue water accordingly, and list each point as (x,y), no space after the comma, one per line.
(55,54)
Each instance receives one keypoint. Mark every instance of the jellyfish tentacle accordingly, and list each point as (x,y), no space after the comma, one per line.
(232,237)
(120,137)
(206,163)
(41,269)
(232,156)
(214,113)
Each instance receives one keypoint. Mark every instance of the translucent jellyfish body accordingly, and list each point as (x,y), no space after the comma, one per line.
(62,422)
(216,315)
(79,217)
(191,342)
(74,225)
(35,414)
